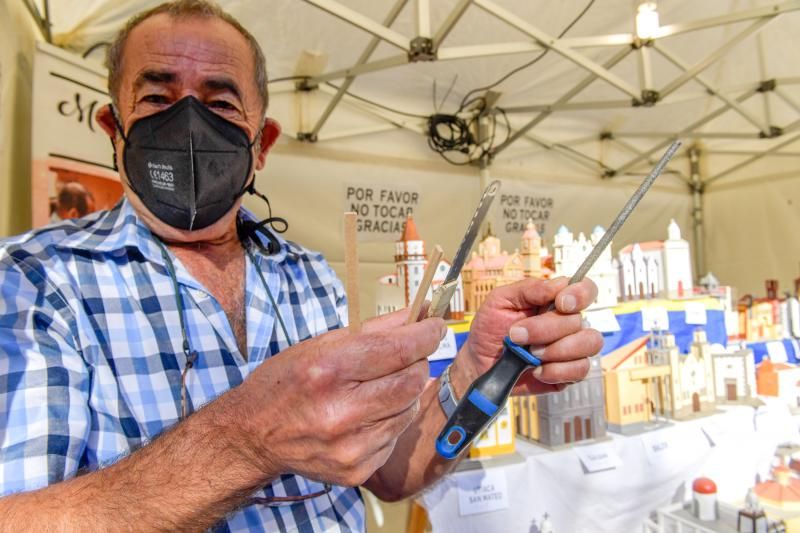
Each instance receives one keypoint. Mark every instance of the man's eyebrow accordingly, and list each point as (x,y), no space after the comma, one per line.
(223,84)
(154,76)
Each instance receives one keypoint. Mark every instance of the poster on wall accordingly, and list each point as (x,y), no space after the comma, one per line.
(382,208)
(547,206)
(72,166)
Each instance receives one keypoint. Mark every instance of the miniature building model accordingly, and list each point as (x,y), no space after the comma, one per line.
(705,514)
(397,290)
(779,379)
(656,268)
(630,379)
(704,499)
(690,386)
(780,497)
(572,415)
(491,267)
(735,375)
(498,438)
(762,318)
(569,253)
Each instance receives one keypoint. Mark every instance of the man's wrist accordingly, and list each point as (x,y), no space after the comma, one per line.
(462,376)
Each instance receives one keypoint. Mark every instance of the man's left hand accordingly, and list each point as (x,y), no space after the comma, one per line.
(559,338)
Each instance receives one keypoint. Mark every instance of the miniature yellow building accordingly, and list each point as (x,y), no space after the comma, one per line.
(498,438)
(629,381)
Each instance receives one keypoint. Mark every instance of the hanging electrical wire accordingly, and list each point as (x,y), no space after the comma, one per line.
(461,140)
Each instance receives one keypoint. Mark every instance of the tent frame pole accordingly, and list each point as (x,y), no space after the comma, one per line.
(698,213)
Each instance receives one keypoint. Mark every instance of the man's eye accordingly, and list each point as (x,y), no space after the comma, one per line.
(222,104)
(155,99)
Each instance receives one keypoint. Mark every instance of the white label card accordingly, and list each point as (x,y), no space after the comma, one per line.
(660,448)
(777,351)
(655,318)
(696,313)
(598,457)
(447,348)
(482,491)
(603,320)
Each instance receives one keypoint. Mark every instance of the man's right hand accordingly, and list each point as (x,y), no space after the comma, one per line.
(331,408)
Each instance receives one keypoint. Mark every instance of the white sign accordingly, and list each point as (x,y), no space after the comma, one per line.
(598,457)
(660,448)
(603,320)
(696,313)
(777,352)
(516,209)
(382,209)
(482,491)
(655,318)
(447,348)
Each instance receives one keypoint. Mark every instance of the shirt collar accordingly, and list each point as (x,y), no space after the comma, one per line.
(121,228)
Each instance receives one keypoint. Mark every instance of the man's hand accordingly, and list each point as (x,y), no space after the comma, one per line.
(558,337)
(331,408)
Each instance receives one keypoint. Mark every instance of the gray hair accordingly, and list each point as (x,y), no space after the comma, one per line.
(183,9)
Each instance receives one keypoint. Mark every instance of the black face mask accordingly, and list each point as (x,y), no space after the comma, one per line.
(187,164)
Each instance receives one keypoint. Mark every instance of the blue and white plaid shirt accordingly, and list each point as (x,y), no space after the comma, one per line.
(91,354)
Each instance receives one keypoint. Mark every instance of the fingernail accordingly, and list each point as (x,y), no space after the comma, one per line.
(518,334)
(537,372)
(444,331)
(536,351)
(585,324)
(568,303)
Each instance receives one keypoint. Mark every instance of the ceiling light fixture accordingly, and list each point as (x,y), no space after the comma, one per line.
(647,20)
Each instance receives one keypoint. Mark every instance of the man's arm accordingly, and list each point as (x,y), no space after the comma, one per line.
(565,345)
(330,409)
(187,479)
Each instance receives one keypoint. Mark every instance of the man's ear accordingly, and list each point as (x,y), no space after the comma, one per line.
(105,118)
(269,134)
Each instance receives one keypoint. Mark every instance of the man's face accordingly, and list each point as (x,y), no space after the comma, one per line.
(166,59)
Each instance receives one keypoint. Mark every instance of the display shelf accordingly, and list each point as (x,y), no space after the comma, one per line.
(648,471)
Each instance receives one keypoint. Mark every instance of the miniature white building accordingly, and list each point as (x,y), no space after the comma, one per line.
(397,291)
(657,268)
(569,253)
(735,375)
(690,386)
(704,499)
(790,316)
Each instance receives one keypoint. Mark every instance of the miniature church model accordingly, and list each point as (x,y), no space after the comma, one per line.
(657,268)
(569,253)
(491,267)
(690,387)
(397,290)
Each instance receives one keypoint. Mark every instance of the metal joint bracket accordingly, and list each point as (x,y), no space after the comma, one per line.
(609,173)
(774,131)
(306,137)
(767,86)
(421,49)
(306,85)
(697,187)
(649,98)
(606,136)
(638,43)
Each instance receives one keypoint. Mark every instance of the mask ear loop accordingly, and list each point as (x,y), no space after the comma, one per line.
(249,228)
(121,131)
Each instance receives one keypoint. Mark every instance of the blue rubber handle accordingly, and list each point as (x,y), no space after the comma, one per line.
(484,400)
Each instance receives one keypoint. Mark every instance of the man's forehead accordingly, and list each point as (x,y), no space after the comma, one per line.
(163,43)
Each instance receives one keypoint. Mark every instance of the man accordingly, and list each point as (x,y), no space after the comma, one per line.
(73,201)
(162,370)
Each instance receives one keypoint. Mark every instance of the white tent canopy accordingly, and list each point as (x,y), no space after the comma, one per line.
(598,109)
